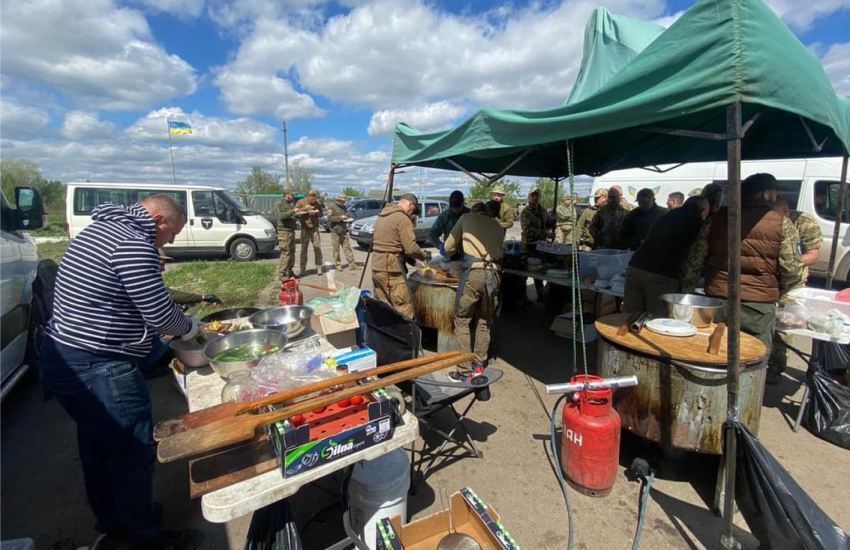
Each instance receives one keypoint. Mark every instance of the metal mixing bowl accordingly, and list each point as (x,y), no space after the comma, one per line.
(230,341)
(229,314)
(189,352)
(697,310)
(292,319)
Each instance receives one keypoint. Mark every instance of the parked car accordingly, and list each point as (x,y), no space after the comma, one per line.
(27,286)
(357,209)
(218,222)
(361,230)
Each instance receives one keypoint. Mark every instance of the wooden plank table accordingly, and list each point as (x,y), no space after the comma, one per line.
(203,389)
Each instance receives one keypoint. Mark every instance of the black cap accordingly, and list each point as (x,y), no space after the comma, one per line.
(412,198)
(456,199)
(758,183)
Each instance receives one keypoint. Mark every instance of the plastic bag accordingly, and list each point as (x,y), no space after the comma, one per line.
(791,316)
(292,369)
(779,513)
(343,304)
(828,408)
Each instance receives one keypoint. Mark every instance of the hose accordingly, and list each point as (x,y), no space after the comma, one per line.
(559,472)
(641,468)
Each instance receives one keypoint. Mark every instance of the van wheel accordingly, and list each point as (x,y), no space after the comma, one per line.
(243,250)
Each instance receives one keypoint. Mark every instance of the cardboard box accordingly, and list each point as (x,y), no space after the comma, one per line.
(340,335)
(467,514)
(562,325)
(357,359)
(296,453)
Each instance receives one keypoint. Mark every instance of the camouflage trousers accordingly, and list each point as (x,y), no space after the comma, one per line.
(286,260)
(392,288)
(308,237)
(564,234)
(476,303)
(342,240)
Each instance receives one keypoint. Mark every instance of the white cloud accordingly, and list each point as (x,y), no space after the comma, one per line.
(431,117)
(184,9)
(81,125)
(103,55)
(836,63)
(389,55)
(801,14)
(210,131)
(21,121)
(254,94)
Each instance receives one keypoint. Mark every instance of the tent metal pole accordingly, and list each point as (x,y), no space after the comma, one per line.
(388,197)
(733,319)
(478,179)
(555,209)
(839,215)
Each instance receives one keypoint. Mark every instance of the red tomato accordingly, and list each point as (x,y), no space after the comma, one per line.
(343,403)
(319,410)
(297,420)
(357,400)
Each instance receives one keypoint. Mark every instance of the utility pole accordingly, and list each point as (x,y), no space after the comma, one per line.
(288,186)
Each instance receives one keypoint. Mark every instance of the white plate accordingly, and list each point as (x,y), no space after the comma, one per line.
(671,327)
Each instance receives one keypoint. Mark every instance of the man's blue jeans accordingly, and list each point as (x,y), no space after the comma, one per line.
(110,403)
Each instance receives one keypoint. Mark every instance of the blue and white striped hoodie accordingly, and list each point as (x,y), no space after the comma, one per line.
(110,298)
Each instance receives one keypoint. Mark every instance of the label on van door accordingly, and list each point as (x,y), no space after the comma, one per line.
(206,223)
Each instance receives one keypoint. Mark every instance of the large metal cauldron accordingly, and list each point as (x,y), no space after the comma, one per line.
(679,405)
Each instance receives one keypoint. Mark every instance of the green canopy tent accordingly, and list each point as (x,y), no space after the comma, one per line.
(728,80)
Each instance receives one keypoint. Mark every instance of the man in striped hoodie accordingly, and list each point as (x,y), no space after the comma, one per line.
(110,302)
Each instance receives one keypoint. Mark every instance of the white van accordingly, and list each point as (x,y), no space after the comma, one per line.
(800,181)
(218,223)
(23,297)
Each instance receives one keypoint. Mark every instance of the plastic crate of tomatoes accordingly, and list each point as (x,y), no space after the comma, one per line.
(308,440)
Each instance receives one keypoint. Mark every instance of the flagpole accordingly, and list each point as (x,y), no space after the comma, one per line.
(170,149)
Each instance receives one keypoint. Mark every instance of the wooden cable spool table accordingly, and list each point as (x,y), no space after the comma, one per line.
(434,305)
(680,399)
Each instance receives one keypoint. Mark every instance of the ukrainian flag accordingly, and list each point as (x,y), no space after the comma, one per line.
(177,128)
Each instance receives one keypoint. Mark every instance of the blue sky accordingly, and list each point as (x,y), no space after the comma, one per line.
(85,85)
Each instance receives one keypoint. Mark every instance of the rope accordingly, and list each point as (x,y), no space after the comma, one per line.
(575,293)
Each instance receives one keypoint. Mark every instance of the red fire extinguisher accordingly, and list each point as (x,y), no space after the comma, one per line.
(290,294)
(590,443)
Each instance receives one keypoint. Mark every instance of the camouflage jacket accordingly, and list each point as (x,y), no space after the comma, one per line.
(565,215)
(533,222)
(308,213)
(336,214)
(583,226)
(605,226)
(285,215)
(506,215)
(811,237)
(789,264)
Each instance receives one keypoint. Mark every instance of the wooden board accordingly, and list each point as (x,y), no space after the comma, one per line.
(224,468)
(693,349)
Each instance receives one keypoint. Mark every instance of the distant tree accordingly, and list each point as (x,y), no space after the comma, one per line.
(482,191)
(547,191)
(25,173)
(354,192)
(300,177)
(259,182)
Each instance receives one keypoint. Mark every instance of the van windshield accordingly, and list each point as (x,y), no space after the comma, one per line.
(232,199)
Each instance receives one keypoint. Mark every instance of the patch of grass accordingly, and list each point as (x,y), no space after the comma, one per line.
(55,225)
(53,251)
(236,283)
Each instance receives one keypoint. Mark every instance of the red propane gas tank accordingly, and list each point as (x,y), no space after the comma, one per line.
(290,294)
(590,443)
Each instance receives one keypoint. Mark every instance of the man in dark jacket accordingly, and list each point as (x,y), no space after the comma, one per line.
(658,265)
(446,221)
(770,260)
(110,303)
(637,222)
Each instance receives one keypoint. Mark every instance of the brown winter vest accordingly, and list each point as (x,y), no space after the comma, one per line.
(761,231)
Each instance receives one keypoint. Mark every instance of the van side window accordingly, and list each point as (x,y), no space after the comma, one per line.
(209,204)
(432,209)
(87,198)
(826,201)
(179,196)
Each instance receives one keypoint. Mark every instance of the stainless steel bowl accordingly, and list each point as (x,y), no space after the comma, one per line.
(189,352)
(230,314)
(230,341)
(697,310)
(293,319)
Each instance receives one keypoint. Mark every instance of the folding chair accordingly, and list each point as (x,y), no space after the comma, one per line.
(390,334)
(436,392)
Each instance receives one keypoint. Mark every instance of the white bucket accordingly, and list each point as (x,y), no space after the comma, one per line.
(378,489)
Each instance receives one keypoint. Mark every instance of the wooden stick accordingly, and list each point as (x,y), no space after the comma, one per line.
(716,338)
(240,428)
(168,428)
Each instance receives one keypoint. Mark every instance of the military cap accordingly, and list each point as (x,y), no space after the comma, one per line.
(312,192)
(341,198)
(412,198)
(601,192)
(696,192)
(499,189)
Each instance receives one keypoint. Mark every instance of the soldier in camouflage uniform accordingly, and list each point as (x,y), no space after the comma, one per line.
(533,222)
(338,220)
(585,239)
(766,275)
(506,213)
(286,226)
(308,211)
(811,241)
(565,220)
(606,224)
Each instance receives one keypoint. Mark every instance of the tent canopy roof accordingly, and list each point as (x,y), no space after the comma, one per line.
(718,53)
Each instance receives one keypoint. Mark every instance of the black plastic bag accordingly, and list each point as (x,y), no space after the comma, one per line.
(779,513)
(828,408)
(274,528)
(836,358)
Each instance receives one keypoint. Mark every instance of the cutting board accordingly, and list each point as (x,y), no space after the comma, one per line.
(692,349)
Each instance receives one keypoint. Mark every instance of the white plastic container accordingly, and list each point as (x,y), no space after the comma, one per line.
(609,261)
(378,489)
(818,300)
